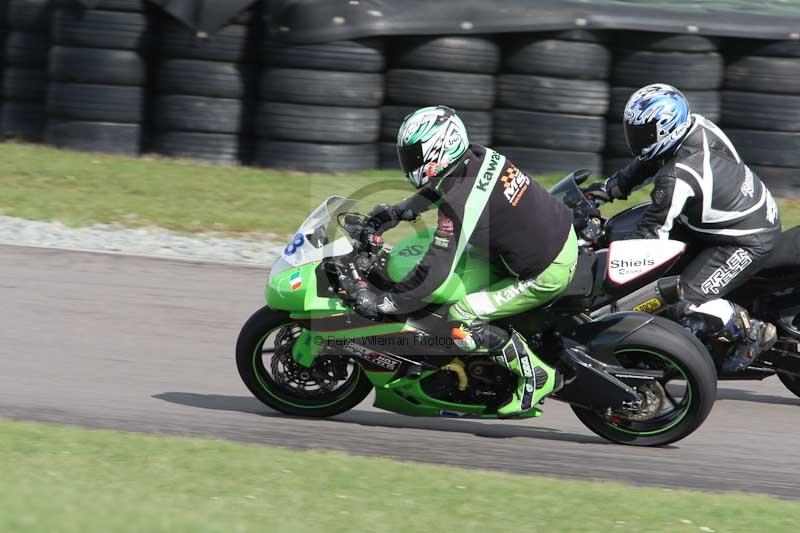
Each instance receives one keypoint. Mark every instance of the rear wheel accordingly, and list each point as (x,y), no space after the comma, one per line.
(787,318)
(792,383)
(332,385)
(675,404)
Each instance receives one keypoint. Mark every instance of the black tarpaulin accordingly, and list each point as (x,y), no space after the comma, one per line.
(326,20)
(202,15)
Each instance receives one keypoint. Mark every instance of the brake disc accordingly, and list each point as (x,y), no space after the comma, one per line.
(285,371)
(653,397)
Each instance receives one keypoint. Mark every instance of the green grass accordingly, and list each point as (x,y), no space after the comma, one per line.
(42,183)
(62,479)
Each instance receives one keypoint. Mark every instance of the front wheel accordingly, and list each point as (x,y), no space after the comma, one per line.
(332,385)
(674,405)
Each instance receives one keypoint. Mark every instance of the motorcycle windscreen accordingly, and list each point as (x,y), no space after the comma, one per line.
(316,238)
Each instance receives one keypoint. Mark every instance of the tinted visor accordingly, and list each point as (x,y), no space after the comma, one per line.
(410,157)
(640,136)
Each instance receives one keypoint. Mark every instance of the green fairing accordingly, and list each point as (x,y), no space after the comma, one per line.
(306,347)
(304,300)
(394,394)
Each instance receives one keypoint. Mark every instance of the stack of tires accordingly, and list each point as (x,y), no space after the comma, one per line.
(319,108)
(552,98)
(689,62)
(454,71)
(761,111)
(205,84)
(24,65)
(98,76)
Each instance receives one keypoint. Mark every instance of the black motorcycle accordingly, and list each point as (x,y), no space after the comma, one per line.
(773,294)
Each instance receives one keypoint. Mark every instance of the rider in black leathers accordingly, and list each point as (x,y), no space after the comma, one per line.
(704,194)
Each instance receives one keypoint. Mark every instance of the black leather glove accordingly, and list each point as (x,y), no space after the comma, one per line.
(612,187)
(598,191)
(385,217)
(372,305)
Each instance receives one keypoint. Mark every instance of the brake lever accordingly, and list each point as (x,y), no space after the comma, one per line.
(596,201)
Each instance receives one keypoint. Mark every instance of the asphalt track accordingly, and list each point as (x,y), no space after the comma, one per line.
(146,345)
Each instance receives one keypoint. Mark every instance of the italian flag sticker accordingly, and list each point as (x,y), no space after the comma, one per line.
(295,281)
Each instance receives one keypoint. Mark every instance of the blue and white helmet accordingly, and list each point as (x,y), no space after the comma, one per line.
(656,119)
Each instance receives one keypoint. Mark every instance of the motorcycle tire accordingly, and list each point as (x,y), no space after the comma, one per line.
(432,87)
(668,341)
(779,75)
(215,79)
(254,375)
(322,87)
(580,133)
(364,55)
(792,383)
(563,59)
(316,157)
(131,6)
(23,85)
(761,111)
(689,71)
(456,53)
(27,15)
(553,95)
(25,49)
(769,148)
(99,29)
(97,65)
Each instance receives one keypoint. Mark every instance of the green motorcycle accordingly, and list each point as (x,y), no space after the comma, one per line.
(630,377)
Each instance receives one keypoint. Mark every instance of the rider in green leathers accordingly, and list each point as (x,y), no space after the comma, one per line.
(485,201)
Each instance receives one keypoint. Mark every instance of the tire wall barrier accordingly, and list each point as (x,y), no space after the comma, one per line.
(98,76)
(203,102)
(24,45)
(125,77)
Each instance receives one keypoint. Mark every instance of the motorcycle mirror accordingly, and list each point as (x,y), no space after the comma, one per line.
(581,175)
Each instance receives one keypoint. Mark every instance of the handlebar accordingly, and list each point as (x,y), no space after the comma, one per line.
(367,244)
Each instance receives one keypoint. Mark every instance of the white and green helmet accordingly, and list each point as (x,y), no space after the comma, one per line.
(429,142)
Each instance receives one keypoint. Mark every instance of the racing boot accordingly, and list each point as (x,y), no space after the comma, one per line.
(727,321)
(535,380)
(752,337)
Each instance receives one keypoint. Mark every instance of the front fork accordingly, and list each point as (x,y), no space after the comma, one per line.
(306,348)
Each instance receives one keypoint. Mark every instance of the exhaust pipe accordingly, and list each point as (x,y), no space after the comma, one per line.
(648,299)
